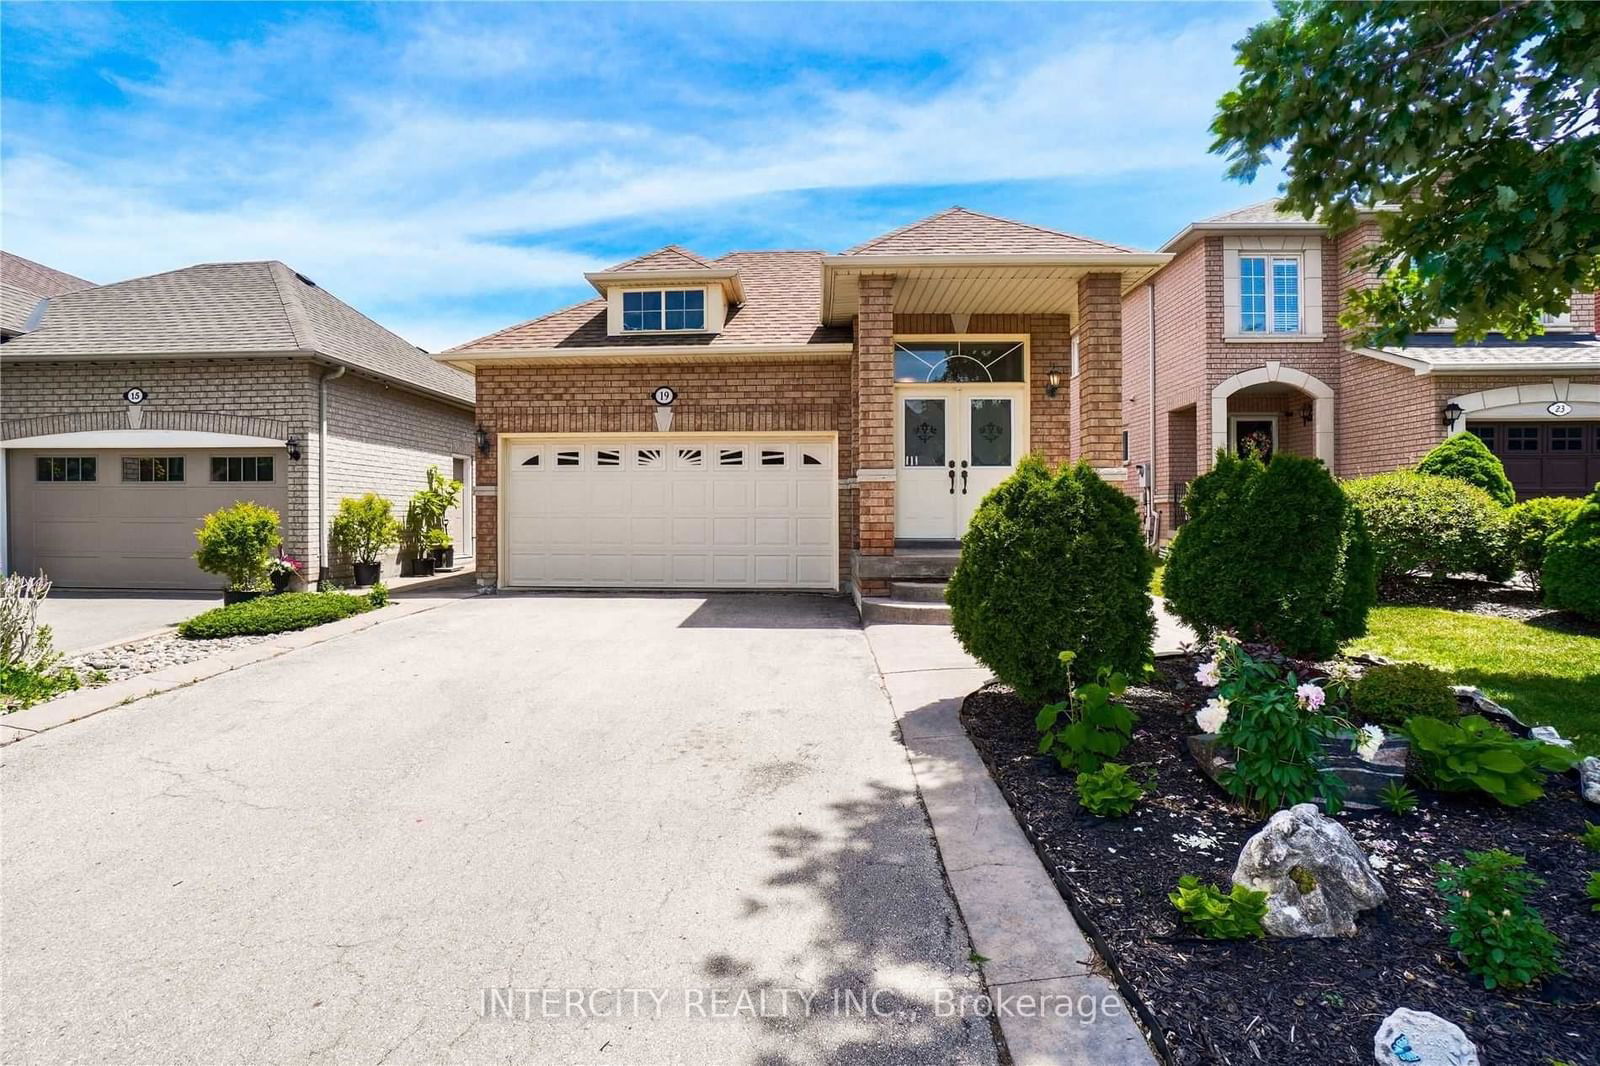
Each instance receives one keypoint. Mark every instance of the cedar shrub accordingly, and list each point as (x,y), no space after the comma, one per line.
(1466,458)
(1572,561)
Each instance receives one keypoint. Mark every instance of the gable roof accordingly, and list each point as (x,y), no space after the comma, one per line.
(23,283)
(672,258)
(782,290)
(252,308)
(958,231)
(1266,212)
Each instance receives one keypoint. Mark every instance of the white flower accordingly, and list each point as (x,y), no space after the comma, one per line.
(1210,717)
(1368,741)
(1311,696)
(1207,674)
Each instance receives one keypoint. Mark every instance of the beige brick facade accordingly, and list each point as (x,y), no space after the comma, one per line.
(381,438)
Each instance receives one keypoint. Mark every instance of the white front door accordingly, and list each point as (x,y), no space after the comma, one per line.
(956,442)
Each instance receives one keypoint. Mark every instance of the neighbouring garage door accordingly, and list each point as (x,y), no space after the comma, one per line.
(126,518)
(671,512)
(1546,458)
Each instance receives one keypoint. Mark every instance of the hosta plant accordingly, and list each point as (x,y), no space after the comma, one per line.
(1591,836)
(1234,916)
(1110,791)
(1500,937)
(1474,754)
(1089,727)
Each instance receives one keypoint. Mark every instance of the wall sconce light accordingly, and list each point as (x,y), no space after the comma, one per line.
(1052,381)
(293,446)
(482,437)
(1305,411)
(1452,412)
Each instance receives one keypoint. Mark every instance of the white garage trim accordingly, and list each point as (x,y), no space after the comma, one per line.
(1528,402)
(671,536)
(143,438)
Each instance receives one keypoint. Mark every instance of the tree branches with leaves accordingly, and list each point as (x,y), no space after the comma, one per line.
(1471,127)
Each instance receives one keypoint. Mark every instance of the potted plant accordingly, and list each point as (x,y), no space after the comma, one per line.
(426,544)
(281,570)
(237,543)
(363,530)
(442,548)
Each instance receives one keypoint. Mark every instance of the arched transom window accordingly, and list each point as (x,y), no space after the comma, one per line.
(958,361)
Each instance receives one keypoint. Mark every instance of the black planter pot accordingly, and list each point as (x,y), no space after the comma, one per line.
(280,582)
(444,558)
(422,566)
(233,596)
(367,573)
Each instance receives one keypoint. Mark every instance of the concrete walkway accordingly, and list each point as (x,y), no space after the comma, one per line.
(1016,917)
(330,855)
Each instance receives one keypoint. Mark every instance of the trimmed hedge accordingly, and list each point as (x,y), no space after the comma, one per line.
(1572,561)
(1529,525)
(1274,552)
(1466,458)
(1053,561)
(1421,522)
(273,614)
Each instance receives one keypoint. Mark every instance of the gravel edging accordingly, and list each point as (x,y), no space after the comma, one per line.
(148,654)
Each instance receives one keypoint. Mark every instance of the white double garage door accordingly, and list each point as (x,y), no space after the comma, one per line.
(670,511)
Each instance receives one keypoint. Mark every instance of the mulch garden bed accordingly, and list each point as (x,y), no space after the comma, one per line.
(1294,1001)
(1518,602)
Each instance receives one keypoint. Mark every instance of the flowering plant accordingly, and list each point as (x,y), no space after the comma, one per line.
(1274,724)
(284,563)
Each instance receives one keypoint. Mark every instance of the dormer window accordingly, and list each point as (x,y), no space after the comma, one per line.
(663,310)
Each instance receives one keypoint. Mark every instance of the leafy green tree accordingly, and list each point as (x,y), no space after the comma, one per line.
(1472,124)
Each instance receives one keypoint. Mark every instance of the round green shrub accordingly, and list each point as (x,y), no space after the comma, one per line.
(237,543)
(1273,552)
(1529,524)
(1466,458)
(1572,561)
(1053,562)
(1388,695)
(1421,522)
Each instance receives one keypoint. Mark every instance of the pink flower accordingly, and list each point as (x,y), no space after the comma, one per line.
(1207,674)
(1311,697)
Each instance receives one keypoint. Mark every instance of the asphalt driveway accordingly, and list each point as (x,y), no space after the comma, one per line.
(696,806)
(80,619)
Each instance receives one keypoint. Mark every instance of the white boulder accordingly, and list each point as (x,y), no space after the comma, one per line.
(1589,779)
(1417,1038)
(1316,877)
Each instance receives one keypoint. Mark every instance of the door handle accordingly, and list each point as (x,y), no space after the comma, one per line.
(952,477)
(963,477)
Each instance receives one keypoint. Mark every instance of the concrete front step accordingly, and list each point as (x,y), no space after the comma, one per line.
(907,565)
(904,612)
(917,591)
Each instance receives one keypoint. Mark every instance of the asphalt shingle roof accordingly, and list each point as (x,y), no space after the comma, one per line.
(782,293)
(670,258)
(1550,349)
(23,283)
(958,231)
(222,308)
(1266,212)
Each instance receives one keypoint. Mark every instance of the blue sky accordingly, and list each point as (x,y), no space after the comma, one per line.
(451,169)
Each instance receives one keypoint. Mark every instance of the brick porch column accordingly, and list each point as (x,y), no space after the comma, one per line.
(875,446)
(1097,388)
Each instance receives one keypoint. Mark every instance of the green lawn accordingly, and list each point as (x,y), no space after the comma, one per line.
(1545,677)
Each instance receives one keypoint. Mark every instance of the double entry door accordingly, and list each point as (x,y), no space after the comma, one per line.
(956,442)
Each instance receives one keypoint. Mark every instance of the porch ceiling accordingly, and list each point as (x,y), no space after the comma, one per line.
(986,285)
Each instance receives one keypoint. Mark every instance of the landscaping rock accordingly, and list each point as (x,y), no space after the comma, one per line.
(1364,780)
(1418,1038)
(1589,779)
(1316,877)
(1548,734)
(1473,701)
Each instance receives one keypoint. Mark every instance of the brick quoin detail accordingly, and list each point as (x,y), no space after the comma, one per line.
(1097,389)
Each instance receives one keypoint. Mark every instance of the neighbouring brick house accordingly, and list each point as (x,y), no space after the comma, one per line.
(794,419)
(1236,342)
(128,411)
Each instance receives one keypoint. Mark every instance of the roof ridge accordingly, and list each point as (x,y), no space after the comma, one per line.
(528,322)
(1038,228)
(899,230)
(294,312)
(676,249)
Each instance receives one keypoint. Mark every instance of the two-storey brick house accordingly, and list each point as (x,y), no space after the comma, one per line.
(1235,343)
